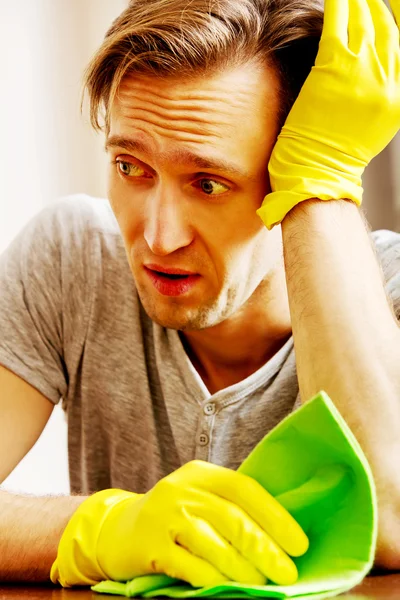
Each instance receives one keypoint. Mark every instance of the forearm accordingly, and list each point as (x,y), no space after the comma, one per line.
(30,530)
(347,341)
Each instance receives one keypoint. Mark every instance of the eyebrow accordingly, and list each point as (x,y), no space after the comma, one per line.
(181,156)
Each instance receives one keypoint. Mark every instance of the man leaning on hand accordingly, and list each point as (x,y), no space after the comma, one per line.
(179,322)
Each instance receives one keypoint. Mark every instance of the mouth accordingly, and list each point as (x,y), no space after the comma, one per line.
(171,282)
(175,272)
(172,276)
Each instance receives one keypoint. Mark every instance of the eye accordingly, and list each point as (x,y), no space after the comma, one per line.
(129,169)
(208,186)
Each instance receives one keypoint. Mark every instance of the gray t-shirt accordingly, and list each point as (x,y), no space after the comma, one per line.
(71,325)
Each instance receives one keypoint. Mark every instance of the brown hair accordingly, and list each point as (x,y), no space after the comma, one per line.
(188,38)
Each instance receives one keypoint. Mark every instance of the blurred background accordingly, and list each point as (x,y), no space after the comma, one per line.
(48,150)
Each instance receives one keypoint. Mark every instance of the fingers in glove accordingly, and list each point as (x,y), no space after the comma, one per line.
(250,540)
(395,5)
(181,564)
(255,501)
(336,21)
(202,540)
(361,26)
(387,39)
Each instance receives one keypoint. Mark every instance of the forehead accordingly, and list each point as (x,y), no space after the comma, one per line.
(228,109)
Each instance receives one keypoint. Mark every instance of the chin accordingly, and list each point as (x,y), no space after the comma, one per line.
(175,315)
(171,321)
(179,318)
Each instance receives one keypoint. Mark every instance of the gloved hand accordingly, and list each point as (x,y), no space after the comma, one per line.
(346,113)
(203,523)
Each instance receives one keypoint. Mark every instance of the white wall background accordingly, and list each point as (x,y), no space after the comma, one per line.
(48,150)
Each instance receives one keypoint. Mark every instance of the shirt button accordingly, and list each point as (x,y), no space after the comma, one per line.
(203,439)
(209,409)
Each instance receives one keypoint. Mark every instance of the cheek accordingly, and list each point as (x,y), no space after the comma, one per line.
(233,235)
(114,192)
(254,252)
(239,226)
(238,251)
(267,253)
(125,207)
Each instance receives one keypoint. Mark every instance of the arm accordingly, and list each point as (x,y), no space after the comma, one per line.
(347,341)
(346,338)
(30,528)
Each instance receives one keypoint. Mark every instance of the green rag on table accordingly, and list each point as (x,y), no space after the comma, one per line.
(314,466)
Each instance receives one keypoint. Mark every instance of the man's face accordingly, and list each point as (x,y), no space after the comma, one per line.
(188,170)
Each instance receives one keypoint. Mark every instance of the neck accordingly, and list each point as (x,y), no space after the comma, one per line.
(236,348)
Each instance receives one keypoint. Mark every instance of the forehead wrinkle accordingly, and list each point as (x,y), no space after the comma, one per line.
(188,138)
(136,91)
(178,127)
(213,104)
(178,124)
(183,113)
(212,112)
(197,120)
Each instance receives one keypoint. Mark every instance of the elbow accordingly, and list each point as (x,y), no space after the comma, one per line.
(387,556)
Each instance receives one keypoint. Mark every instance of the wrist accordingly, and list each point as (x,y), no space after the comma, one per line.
(300,172)
(76,562)
(115,528)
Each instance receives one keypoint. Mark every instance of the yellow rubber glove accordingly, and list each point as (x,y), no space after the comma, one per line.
(203,524)
(346,113)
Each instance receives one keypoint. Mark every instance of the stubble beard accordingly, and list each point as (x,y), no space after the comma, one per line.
(175,315)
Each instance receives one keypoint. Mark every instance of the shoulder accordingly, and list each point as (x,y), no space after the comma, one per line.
(80,213)
(387,245)
(74,247)
(80,229)
(385,240)
(70,220)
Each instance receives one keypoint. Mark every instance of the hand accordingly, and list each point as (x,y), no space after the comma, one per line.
(346,113)
(203,524)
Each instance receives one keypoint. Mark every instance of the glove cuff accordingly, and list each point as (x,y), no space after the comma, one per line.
(76,562)
(301,172)
(278,204)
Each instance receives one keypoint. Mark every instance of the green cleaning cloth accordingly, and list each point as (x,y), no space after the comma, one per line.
(314,466)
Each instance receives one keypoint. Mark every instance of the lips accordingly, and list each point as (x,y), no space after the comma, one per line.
(171,281)
(169,270)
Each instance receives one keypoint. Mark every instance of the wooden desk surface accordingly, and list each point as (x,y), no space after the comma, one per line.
(382,587)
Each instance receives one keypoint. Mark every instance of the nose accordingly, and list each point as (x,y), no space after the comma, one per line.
(166,226)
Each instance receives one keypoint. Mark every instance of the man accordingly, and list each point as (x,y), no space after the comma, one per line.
(192,357)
